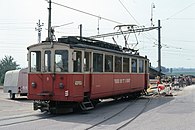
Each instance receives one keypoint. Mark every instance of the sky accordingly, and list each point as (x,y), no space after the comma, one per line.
(18,19)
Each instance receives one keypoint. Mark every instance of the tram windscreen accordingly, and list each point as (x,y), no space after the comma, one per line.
(61,61)
(35,61)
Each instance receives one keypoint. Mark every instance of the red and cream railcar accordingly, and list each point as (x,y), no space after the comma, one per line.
(79,71)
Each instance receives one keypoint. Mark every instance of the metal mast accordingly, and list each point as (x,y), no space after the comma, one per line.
(81,28)
(39,29)
(49,24)
(159,50)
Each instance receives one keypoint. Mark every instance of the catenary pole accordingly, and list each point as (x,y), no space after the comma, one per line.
(49,23)
(159,50)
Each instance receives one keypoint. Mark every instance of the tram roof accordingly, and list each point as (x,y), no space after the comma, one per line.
(88,43)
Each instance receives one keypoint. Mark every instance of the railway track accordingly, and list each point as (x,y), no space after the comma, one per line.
(122,110)
(128,122)
(14,120)
(23,119)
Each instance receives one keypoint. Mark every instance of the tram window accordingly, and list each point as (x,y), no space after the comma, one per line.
(118,64)
(61,60)
(97,62)
(77,62)
(47,65)
(125,64)
(86,61)
(141,66)
(35,61)
(108,63)
(134,65)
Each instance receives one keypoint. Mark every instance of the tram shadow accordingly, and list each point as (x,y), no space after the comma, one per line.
(112,112)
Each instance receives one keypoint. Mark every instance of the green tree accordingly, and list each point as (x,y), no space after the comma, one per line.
(7,63)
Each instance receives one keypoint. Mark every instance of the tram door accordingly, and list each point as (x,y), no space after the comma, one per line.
(87,71)
(48,75)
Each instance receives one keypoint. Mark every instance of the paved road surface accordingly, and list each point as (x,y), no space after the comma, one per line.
(158,113)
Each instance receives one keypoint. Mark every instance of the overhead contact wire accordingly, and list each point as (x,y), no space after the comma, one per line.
(86,13)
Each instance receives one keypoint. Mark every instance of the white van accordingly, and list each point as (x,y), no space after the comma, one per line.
(16,82)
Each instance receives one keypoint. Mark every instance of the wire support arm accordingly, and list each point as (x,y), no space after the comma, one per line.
(130,30)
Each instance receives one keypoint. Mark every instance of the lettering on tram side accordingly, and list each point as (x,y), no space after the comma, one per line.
(78,83)
(120,81)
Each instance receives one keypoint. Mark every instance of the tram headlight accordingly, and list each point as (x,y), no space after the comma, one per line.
(61,85)
(33,84)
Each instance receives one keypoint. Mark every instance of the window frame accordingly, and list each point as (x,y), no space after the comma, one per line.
(37,60)
(118,63)
(108,66)
(134,69)
(99,62)
(65,63)
(141,66)
(127,67)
